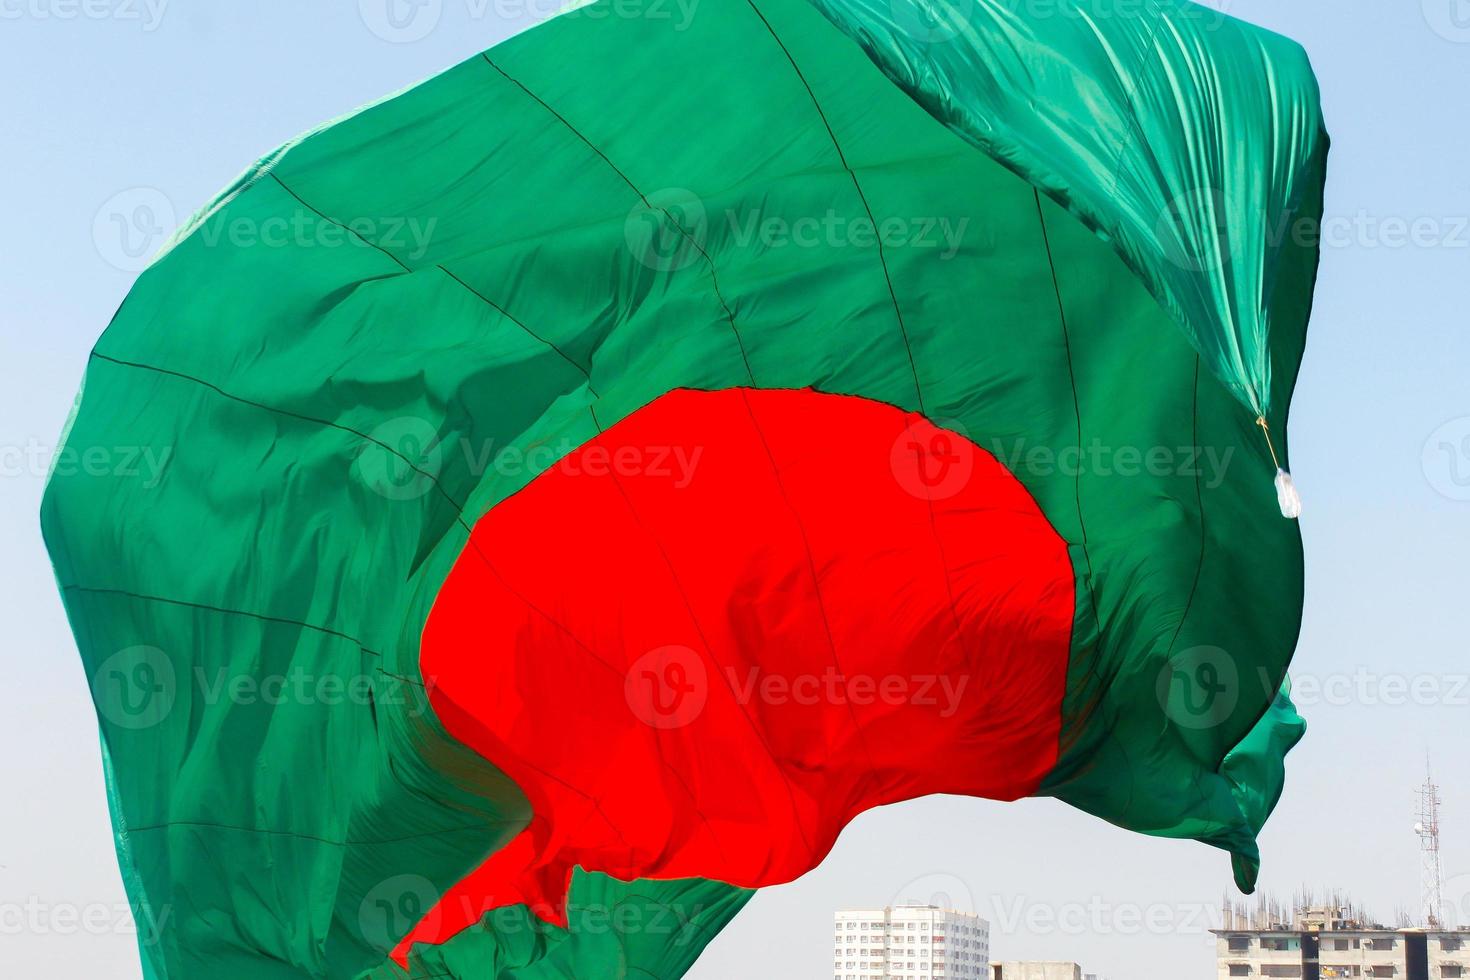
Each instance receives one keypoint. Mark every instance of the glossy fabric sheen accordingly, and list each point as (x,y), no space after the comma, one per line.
(493,268)
(1190,140)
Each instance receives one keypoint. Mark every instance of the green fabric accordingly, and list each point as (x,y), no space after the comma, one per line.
(1255,771)
(1185,137)
(643,929)
(330,358)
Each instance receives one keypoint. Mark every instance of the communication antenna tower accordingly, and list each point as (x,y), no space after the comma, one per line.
(1431,872)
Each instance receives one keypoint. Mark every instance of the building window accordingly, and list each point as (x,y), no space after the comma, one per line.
(1239,943)
(1449,942)
(1451,970)
(1240,969)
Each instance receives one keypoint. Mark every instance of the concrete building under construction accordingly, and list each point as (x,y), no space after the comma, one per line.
(1335,941)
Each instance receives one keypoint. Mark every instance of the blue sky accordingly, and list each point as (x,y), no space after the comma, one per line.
(162,102)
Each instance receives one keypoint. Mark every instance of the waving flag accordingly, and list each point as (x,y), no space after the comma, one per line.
(592,477)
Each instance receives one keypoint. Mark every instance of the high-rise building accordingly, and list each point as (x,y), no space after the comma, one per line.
(910,942)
